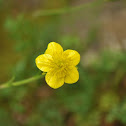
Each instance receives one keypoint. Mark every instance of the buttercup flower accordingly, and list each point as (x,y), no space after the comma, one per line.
(60,65)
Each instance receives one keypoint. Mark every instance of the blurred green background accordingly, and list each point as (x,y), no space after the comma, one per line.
(96,29)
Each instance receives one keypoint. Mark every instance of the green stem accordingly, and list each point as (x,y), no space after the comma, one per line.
(22,82)
(65,10)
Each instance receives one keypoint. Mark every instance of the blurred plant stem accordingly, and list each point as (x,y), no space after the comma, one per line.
(22,82)
(66,10)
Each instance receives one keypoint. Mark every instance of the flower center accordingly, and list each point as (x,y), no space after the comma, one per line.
(61,64)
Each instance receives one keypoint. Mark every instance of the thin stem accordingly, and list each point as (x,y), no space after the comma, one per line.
(22,82)
(65,10)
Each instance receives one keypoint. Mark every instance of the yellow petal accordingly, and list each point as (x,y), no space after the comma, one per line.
(54,49)
(72,76)
(44,62)
(54,80)
(72,56)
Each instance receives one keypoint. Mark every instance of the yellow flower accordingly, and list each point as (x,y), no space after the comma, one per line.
(60,65)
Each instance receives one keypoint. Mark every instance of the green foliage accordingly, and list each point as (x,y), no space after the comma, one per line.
(44,116)
(97,93)
(118,113)
(108,101)
(1,3)
(70,41)
(92,119)
(5,119)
